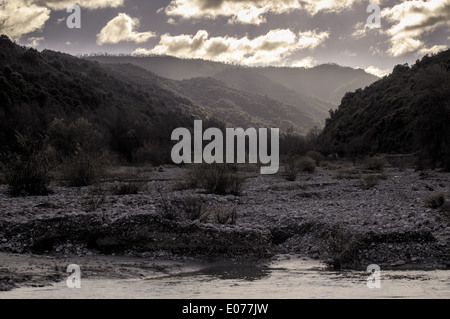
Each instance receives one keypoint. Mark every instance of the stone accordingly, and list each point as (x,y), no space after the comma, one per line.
(399,263)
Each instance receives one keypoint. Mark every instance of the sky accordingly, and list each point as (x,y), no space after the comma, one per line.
(297,33)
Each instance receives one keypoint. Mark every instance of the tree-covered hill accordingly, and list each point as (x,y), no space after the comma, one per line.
(217,99)
(37,87)
(405,112)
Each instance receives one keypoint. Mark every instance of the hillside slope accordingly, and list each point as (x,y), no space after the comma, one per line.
(218,99)
(315,90)
(408,111)
(37,87)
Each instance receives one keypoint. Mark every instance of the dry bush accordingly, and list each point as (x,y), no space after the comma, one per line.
(84,168)
(376,164)
(190,207)
(95,199)
(435,200)
(307,165)
(221,179)
(371,181)
(343,247)
(294,164)
(27,168)
(223,214)
(316,156)
(130,188)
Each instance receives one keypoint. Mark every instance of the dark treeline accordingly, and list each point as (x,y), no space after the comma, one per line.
(43,92)
(405,112)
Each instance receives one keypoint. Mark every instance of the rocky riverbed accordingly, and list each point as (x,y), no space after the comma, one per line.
(326,215)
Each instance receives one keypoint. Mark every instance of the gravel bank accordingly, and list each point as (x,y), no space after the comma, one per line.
(322,215)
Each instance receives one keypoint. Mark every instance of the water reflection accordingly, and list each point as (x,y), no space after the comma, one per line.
(236,272)
(284,278)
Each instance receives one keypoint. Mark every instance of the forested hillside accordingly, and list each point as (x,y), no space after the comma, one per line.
(406,112)
(314,91)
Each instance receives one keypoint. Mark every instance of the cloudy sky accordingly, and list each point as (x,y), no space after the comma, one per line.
(251,32)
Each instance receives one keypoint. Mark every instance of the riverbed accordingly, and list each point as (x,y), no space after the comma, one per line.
(283,277)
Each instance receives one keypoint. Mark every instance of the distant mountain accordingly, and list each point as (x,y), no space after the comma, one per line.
(218,99)
(315,90)
(406,112)
(167,66)
(253,81)
(328,82)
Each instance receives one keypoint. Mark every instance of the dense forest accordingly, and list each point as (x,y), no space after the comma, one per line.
(38,87)
(405,112)
(75,107)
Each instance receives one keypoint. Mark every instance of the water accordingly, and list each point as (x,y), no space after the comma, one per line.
(285,278)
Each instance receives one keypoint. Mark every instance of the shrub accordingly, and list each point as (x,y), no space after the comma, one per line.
(225,215)
(294,164)
(307,165)
(316,156)
(84,168)
(221,179)
(291,167)
(369,181)
(127,188)
(376,164)
(192,208)
(27,168)
(166,208)
(435,200)
(68,139)
(95,199)
(343,247)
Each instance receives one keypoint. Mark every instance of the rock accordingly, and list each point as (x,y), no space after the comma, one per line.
(314,250)
(315,256)
(398,263)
